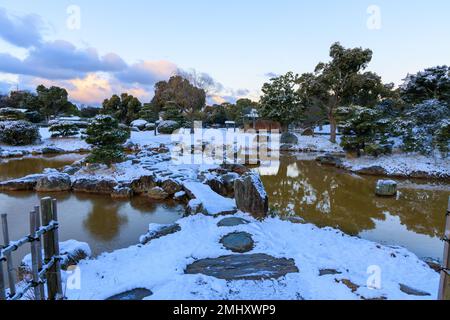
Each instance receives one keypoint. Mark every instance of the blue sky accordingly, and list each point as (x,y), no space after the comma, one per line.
(237,43)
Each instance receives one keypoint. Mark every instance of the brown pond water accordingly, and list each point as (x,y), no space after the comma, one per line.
(98,220)
(106,225)
(328,197)
(20,167)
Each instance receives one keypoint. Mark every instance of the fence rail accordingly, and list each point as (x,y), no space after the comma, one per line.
(444,291)
(44,270)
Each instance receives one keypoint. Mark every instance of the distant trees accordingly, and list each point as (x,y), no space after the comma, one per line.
(107,138)
(181,92)
(281,100)
(54,101)
(89,111)
(125,108)
(432,83)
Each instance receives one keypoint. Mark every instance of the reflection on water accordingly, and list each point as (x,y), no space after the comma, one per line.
(96,219)
(326,196)
(17,168)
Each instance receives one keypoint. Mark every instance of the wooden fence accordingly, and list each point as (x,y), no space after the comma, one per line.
(45,269)
(444,290)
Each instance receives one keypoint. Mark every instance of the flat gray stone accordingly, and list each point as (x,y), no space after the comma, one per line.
(413,292)
(238,242)
(135,294)
(327,272)
(161,232)
(244,267)
(232,222)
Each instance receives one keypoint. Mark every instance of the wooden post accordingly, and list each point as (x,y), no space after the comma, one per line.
(37,217)
(56,244)
(49,248)
(443,286)
(2,282)
(9,263)
(34,254)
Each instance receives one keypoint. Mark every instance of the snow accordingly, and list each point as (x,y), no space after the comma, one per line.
(212,202)
(403,164)
(68,249)
(159,266)
(317,144)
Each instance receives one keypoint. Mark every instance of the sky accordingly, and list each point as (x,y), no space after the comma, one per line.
(99,48)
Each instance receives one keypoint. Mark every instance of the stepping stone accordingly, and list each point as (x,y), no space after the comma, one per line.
(327,272)
(239,242)
(135,294)
(413,292)
(243,267)
(232,222)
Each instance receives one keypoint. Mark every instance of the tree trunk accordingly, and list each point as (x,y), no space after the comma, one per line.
(333,127)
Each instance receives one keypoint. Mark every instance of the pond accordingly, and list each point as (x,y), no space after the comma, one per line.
(19,167)
(105,224)
(329,197)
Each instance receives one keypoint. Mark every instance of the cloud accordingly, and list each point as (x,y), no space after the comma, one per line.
(88,76)
(24,32)
(60,60)
(5,87)
(271,75)
(147,72)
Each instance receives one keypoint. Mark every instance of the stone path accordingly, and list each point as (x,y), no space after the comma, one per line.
(243,267)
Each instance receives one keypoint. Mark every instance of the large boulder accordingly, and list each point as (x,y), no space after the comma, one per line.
(217,186)
(157,193)
(23,184)
(52,150)
(143,184)
(329,160)
(243,267)
(171,186)
(288,138)
(386,188)
(251,196)
(54,182)
(168,127)
(100,185)
(122,193)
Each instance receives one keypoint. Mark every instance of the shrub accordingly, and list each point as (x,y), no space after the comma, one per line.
(18,133)
(365,129)
(107,138)
(11,114)
(64,129)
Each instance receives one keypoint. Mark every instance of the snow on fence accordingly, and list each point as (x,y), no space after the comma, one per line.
(444,285)
(45,269)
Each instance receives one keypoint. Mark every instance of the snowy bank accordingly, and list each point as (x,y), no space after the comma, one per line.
(331,265)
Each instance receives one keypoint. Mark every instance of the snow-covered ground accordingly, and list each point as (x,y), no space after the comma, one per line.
(403,165)
(159,266)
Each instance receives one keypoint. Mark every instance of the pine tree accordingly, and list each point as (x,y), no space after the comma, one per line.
(107,139)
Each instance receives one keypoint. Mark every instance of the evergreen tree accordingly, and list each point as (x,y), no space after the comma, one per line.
(64,129)
(432,83)
(125,108)
(280,100)
(107,138)
(149,113)
(365,130)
